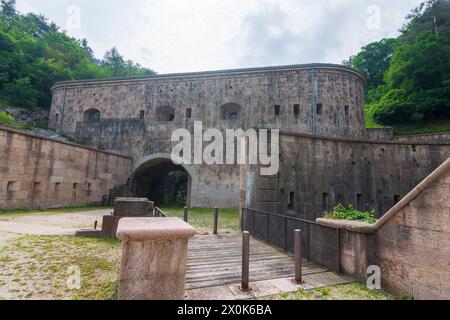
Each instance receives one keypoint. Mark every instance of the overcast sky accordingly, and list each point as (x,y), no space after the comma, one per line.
(195,35)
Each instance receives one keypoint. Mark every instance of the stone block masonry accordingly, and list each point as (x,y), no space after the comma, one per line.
(37,172)
(316,174)
(413,240)
(136,116)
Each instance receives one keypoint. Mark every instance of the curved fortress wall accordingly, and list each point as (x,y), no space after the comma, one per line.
(137,116)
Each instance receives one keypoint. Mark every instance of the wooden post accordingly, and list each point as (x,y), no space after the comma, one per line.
(245,285)
(298,256)
(186,214)
(216,219)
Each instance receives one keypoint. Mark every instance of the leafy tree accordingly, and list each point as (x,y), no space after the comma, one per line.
(21,93)
(8,8)
(374,60)
(409,77)
(34,54)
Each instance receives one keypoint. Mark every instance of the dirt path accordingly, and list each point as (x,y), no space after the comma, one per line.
(51,224)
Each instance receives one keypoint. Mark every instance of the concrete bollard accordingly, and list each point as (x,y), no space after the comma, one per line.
(154,254)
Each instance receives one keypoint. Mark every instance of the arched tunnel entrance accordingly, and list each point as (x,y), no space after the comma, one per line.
(163,182)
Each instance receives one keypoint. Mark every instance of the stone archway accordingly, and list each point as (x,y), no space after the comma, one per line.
(159,179)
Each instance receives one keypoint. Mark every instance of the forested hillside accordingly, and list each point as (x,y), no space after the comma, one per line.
(408,78)
(35,53)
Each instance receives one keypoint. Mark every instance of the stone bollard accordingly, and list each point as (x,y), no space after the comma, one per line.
(154,254)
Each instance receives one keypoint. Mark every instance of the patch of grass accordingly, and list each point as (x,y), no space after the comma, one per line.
(19,212)
(42,272)
(353,291)
(422,128)
(350,213)
(203,218)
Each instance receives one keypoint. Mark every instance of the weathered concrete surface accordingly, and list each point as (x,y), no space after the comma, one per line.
(36,172)
(154,254)
(414,240)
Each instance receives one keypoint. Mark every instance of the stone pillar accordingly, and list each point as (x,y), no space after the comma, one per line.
(154,254)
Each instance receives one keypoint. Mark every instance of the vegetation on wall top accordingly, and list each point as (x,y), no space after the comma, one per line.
(350,213)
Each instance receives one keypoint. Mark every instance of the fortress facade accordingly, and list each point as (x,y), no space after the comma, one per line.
(136,116)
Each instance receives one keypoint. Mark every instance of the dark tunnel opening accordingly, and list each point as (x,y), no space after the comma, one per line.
(163,182)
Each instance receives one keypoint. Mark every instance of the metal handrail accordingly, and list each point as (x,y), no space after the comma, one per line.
(289,217)
(285,218)
(159,213)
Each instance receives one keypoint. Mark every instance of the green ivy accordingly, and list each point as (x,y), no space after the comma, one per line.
(350,213)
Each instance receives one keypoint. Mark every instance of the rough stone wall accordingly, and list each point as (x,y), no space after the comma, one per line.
(424,138)
(413,246)
(257,93)
(380,134)
(36,172)
(319,173)
(129,122)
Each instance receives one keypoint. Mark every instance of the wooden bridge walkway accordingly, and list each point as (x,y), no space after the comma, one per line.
(217,261)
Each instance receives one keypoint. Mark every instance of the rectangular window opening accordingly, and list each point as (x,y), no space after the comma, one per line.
(296,110)
(142,114)
(10,186)
(188,113)
(277,110)
(37,188)
(359,201)
(291,201)
(325,202)
(319,108)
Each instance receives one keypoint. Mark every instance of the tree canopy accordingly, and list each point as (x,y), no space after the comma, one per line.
(408,78)
(34,54)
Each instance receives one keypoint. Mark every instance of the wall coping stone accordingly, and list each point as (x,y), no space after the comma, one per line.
(31,135)
(326,138)
(425,184)
(211,74)
(153,229)
(422,135)
(350,225)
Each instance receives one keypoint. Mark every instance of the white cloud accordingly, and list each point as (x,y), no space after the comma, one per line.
(181,35)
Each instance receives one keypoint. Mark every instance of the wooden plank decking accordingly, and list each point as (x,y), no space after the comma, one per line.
(216,260)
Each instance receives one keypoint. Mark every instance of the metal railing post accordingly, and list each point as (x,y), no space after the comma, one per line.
(216,220)
(298,256)
(186,214)
(245,285)
(242,219)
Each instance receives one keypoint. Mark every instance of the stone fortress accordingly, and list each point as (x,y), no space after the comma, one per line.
(327,157)
(136,116)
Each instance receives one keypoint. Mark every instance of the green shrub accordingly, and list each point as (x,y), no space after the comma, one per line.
(8,120)
(350,213)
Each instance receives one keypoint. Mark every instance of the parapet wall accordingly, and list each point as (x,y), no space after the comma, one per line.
(443,137)
(413,240)
(37,172)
